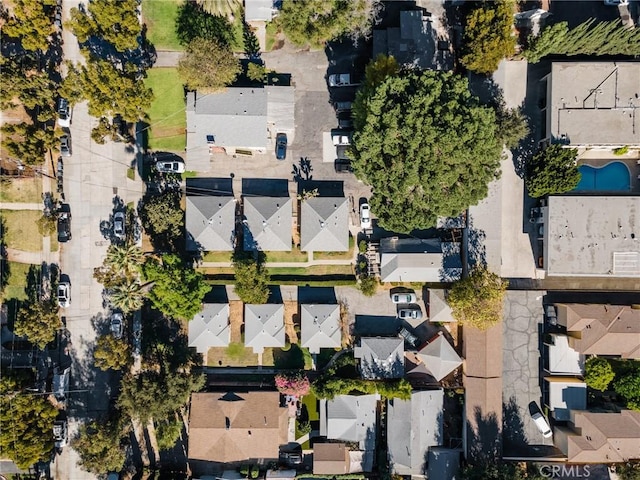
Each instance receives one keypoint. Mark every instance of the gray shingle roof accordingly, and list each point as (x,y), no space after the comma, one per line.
(263,326)
(412,427)
(258,10)
(267,224)
(325,225)
(351,418)
(438,359)
(381,357)
(320,327)
(210,223)
(210,327)
(417,260)
(439,309)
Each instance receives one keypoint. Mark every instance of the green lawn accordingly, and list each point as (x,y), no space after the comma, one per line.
(217,257)
(160,17)
(167,115)
(271,33)
(17,281)
(21,190)
(295,255)
(22,230)
(314,270)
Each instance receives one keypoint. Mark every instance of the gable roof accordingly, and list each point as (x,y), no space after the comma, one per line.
(330,459)
(418,260)
(263,326)
(320,326)
(602,329)
(267,223)
(439,309)
(437,358)
(210,327)
(604,438)
(380,357)
(210,223)
(413,426)
(325,225)
(236,427)
(235,117)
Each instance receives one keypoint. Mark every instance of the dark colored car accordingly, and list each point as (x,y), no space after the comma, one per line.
(117,324)
(64,112)
(64,223)
(65,145)
(343,165)
(345,122)
(281,146)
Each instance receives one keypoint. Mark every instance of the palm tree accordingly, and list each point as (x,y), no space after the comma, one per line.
(124,260)
(223,8)
(128,296)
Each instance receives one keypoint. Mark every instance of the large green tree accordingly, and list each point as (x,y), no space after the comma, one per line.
(315,22)
(477,299)
(628,386)
(30,23)
(114,21)
(111,353)
(178,290)
(127,296)
(27,422)
(598,373)
(101,446)
(425,145)
(38,322)
(28,142)
(553,170)
(124,260)
(489,36)
(162,217)
(152,394)
(251,279)
(208,66)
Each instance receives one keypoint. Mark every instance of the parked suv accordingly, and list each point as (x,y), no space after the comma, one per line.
(64,113)
(64,294)
(410,312)
(119,225)
(172,166)
(65,145)
(117,324)
(60,433)
(64,223)
(281,146)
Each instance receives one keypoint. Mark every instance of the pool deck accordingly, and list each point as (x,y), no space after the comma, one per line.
(600,159)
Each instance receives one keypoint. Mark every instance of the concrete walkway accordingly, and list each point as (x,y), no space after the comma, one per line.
(167,58)
(20,206)
(281,264)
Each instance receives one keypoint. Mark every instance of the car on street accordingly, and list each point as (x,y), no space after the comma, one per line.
(119,225)
(281,146)
(343,165)
(64,223)
(343,106)
(341,80)
(64,294)
(340,137)
(60,433)
(170,166)
(65,145)
(542,424)
(615,3)
(404,297)
(117,324)
(64,113)
(345,121)
(365,216)
(410,312)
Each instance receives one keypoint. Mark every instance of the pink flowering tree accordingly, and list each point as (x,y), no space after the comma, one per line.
(293,383)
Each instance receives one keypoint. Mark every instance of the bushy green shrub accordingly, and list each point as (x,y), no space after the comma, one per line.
(598,373)
(621,150)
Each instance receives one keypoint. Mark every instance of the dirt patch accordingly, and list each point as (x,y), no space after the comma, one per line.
(291,318)
(236,320)
(171,131)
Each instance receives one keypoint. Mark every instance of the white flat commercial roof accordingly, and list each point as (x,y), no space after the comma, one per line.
(592,236)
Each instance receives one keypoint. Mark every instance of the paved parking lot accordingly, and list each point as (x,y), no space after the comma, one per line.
(521,368)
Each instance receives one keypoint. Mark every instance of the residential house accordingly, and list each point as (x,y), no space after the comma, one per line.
(591,437)
(413,427)
(563,394)
(263,326)
(482,377)
(593,104)
(591,236)
(380,357)
(259,10)
(418,260)
(236,427)
(436,358)
(438,308)
(415,42)
(210,327)
(210,221)
(330,459)
(559,357)
(238,120)
(601,329)
(352,418)
(267,223)
(320,327)
(324,224)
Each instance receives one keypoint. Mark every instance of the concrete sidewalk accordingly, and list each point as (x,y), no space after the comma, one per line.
(21,206)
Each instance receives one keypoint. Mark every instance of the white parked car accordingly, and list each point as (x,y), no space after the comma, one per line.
(341,138)
(172,166)
(410,312)
(118,225)
(340,80)
(404,297)
(64,294)
(542,424)
(60,433)
(365,216)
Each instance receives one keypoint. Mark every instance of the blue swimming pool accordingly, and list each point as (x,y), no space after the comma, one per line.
(613,177)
